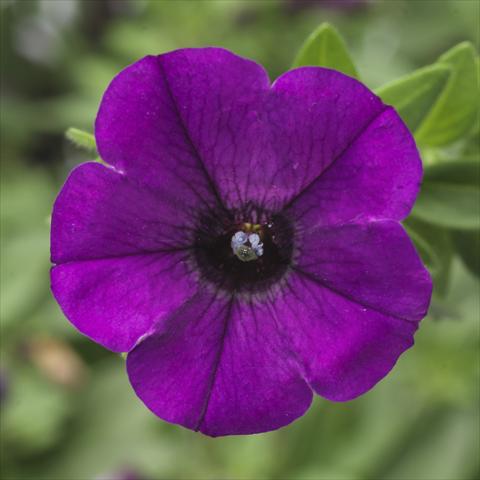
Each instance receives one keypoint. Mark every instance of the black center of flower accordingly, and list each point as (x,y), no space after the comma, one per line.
(223,264)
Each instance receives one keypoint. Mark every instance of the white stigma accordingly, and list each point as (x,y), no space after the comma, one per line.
(246,247)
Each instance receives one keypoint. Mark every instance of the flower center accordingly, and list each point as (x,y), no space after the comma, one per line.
(243,256)
(247,246)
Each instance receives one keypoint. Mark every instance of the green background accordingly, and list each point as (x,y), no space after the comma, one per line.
(67,410)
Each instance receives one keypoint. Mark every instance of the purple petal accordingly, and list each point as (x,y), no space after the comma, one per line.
(117,300)
(163,120)
(221,367)
(317,114)
(378,176)
(266,147)
(101,213)
(373,264)
(208,118)
(346,348)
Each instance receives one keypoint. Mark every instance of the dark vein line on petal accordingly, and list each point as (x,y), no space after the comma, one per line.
(314,279)
(126,255)
(216,364)
(334,161)
(195,151)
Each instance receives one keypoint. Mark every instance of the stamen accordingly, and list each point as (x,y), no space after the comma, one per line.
(246,247)
(254,240)
(240,238)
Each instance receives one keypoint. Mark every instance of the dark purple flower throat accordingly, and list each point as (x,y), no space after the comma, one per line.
(220,265)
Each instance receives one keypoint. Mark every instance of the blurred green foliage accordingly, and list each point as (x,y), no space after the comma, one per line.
(326,48)
(67,411)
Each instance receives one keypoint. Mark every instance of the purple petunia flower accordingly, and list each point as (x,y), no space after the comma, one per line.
(243,245)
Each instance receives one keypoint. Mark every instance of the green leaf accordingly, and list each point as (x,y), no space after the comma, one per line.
(450,195)
(26,196)
(24,275)
(468,247)
(81,139)
(435,247)
(122,430)
(414,95)
(442,430)
(455,111)
(35,413)
(326,48)
(26,200)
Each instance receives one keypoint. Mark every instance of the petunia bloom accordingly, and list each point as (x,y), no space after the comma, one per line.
(243,243)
